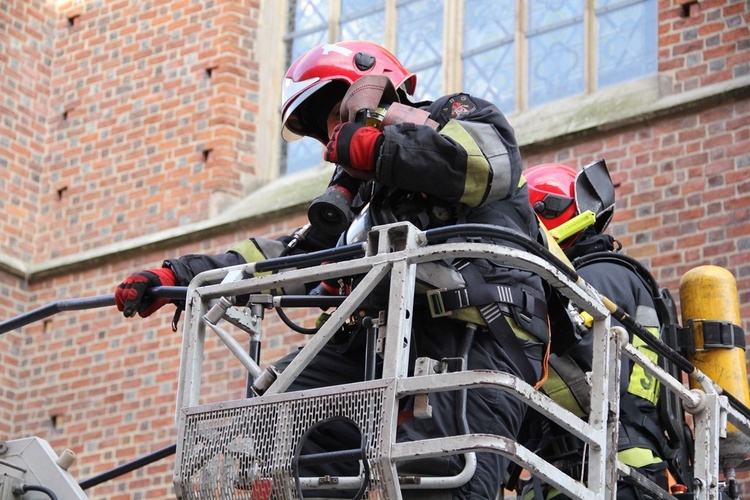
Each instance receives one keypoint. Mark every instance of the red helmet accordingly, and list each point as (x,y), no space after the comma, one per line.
(558,193)
(333,67)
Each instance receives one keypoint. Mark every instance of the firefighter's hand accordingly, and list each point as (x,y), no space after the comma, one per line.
(130,294)
(356,148)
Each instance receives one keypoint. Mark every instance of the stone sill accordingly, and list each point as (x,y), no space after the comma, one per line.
(609,109)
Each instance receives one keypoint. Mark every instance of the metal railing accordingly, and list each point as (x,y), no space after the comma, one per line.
(394,253)
(248,448)
(391,253)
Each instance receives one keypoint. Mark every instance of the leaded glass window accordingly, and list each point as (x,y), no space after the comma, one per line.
(516,53)
(555,42)
(626,40)
(308,27)
(363,20)
(419,44)
(489,59)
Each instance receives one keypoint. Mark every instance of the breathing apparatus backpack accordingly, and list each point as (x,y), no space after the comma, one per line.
(673,433)
(568,384)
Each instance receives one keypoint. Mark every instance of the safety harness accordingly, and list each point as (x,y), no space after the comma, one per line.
(495,303)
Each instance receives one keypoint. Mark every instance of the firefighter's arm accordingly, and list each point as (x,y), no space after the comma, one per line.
(471,159)
(131,296)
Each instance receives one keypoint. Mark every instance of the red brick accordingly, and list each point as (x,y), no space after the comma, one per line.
(682,180)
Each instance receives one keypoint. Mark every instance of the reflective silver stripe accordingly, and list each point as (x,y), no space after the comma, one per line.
(490,312)
(463,298)
(646,316)
(505,294)
(494,150)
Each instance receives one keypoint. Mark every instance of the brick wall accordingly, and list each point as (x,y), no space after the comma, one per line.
(151,120)
(704,42)
(125,117)
(10,350)
(25,61)
(26,43)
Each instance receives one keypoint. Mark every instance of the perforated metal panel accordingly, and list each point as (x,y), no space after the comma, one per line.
(245,449)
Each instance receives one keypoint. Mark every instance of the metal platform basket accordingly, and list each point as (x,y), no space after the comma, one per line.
(249,449)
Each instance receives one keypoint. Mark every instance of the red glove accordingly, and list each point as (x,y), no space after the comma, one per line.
(355,146)
(129,295)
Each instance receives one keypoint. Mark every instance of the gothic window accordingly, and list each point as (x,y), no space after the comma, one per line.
(516,53)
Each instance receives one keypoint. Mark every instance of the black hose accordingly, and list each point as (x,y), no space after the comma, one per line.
(128,467)
(321,301)
(42,489)
(291,324)
(442,234)
(167,292)
(337,254)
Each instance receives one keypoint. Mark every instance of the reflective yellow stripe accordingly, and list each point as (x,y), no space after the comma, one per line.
(638,457)
(559,391)
(520,332)
(468,315)
(642,383)
(251,253)
(477,167)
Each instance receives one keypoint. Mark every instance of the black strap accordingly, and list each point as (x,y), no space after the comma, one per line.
(716,334)
(486,297)
(177,314)
(496,322)
(537,484)
(630,413)
(503,333)
(722,334)
(574,379)
(478,293)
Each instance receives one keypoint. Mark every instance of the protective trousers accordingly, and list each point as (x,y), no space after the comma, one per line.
(488,410)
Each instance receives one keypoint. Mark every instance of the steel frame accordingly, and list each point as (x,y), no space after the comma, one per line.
(396,250)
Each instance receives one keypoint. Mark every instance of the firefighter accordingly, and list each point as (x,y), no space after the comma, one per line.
(559,195)
(451,161)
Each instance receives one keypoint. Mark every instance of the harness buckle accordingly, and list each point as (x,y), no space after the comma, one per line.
(435,301)
(527,308)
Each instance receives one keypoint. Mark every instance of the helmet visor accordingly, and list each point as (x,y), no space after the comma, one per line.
(309,115)
(594,191)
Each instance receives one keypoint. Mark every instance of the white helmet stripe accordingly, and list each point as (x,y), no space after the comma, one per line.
(328,48)
(292,88)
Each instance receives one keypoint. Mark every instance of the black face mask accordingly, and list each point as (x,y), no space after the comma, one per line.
(312,114)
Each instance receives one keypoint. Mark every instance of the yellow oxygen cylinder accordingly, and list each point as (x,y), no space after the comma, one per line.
(709,302)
